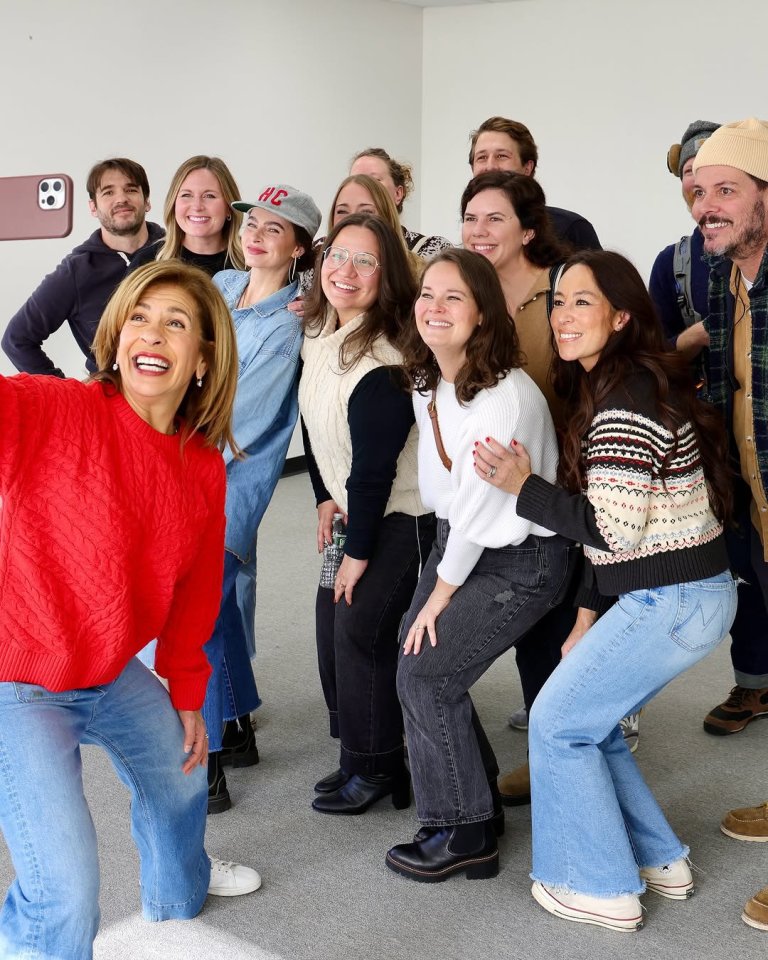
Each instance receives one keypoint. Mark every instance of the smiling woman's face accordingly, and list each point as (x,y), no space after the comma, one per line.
(346,291)
(158,352)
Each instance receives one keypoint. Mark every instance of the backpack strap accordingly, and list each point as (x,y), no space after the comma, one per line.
(681,265)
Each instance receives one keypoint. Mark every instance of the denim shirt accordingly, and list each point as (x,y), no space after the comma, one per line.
(266,403)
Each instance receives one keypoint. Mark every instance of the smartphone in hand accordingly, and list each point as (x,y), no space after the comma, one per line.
(35,207)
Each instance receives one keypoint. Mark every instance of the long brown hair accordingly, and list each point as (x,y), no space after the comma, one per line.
(638,346)
(388,316)
(492,348)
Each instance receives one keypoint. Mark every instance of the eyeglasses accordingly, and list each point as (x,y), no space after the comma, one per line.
(365,264)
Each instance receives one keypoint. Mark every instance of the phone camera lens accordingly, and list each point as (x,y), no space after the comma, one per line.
(57,184)
(44,186)
(50,201)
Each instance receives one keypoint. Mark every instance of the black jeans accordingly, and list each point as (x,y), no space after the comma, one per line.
(749,633)
(507,592)
(357,647)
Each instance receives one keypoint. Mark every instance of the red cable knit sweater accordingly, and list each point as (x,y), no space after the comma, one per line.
(110,536)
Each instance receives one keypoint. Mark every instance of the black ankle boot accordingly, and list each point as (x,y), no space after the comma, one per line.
(468,848)
(218,795)
(238,745)
(360,792)
(334,781)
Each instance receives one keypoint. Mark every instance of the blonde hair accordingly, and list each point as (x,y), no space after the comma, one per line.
(385,209)
(230,232)
(207,409)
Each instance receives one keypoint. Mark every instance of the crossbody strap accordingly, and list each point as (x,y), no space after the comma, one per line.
(432,411)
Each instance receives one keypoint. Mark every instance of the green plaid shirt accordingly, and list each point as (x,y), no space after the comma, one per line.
(719,324)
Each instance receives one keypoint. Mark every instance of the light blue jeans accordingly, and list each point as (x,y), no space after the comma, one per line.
(52,907)
(595,821)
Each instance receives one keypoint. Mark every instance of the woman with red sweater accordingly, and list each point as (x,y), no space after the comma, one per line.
(111,534)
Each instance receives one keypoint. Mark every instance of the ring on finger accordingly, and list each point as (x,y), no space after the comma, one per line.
(491,473)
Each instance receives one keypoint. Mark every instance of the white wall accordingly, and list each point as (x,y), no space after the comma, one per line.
(606,86)
(281,89)
(289,89)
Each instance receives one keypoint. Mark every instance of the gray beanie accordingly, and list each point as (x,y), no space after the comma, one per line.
(679,153)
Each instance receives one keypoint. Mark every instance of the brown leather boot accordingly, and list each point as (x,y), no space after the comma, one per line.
(756,910)
(515,787)
(747,823)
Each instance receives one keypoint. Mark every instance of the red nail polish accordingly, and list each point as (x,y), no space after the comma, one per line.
(514,443)
(487,439)
(475,443)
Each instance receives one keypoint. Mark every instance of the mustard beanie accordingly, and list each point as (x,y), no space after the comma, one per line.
(743,145)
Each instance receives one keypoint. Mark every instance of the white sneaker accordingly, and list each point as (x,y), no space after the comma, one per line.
(230,879)
(673,880)
(630,728)
(519,719)
(623,913)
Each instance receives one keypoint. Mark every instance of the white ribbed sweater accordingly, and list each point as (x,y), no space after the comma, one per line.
(481,515)
(324,392)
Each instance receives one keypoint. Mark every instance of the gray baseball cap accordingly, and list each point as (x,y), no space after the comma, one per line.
(288,202)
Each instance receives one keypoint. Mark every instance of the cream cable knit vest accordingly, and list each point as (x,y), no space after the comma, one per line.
(324,392)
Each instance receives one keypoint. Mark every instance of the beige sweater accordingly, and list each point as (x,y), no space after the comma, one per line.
(324,392)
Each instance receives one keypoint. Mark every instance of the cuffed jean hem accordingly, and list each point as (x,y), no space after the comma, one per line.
(749,681)
(373,764)
(457,821)
(189,908)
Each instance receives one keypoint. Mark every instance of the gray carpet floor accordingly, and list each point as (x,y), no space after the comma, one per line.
(327,894)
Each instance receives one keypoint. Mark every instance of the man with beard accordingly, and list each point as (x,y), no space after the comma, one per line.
(730,205)
(78,289)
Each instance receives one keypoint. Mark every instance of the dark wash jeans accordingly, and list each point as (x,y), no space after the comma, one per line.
(357,647)
(749,633)
(507,592)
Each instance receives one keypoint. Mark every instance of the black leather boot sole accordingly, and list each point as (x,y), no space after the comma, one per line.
(238,745)
(334,781)
(468,848)
(359,793)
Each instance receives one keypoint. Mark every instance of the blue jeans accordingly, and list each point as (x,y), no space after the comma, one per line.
(595,821)
(502,598)
(52,907)
(231,688)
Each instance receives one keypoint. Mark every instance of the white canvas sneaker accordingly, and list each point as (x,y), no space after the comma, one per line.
(673,880)
(230,879)
(623,913)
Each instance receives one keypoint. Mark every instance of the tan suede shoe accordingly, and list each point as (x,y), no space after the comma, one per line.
(756,910)
(515,787)
(747,823)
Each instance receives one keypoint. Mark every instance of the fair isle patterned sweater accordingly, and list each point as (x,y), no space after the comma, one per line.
(639,529)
